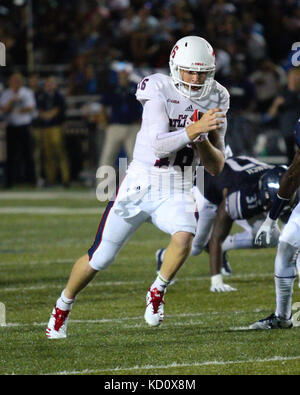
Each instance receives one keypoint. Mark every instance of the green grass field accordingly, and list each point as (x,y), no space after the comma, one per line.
(41,234)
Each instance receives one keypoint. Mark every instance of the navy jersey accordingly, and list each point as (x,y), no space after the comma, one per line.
(240,178)
(297,133)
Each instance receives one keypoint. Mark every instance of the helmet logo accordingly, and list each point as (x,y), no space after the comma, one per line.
(174,51)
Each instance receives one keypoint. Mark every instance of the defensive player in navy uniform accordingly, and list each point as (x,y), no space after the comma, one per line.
(165,144)
(288,247)
(242,193)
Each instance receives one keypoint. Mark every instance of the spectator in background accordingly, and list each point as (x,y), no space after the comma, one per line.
(91,87)
(82,79)
(117,5)
(255,47)
(168,23)
(18,105)
(34,84)
(223,62)
(51,107)
(221,8)
(249,22)
(268,80)
(87,40)
(77,76)
(68,28)
(145,27)
(184,17)
(242,103)
(127,23)
(122,114)
(94,115)
(286,107)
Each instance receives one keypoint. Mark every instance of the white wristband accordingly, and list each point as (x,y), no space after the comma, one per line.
(216,280)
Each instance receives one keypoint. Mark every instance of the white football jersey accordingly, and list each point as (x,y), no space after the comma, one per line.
(179,111)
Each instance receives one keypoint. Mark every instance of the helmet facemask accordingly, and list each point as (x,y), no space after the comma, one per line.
(185,88)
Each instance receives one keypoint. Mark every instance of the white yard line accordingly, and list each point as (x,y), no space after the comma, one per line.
(48,262)
(51,210)
(118,283)
(140,318)
(59,285)
(48,195)
(180,365)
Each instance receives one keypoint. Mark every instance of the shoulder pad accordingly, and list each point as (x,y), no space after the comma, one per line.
(223,96)
(151,87)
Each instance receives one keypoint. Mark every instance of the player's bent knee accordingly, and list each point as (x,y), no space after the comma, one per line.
(104,256)
(198,246)
(196,249)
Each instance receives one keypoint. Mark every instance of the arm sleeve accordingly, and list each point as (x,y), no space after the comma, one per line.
(221,136)
(224,100)
(224,105)
(156,122)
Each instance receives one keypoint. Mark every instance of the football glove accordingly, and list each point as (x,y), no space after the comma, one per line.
(265,232)
(217,284)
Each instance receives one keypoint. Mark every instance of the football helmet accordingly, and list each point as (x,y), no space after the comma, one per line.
(192,53)
(269,185)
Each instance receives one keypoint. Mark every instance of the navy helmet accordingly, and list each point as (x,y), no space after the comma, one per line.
(269,185)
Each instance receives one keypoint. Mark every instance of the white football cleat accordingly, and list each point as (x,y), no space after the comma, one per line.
(154,313)
(57,325)
(272,322)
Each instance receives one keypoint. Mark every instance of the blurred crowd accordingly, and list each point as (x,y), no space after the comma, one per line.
(100,41)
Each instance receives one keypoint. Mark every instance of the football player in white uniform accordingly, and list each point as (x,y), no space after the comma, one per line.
(288,247)
(156,188)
